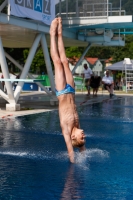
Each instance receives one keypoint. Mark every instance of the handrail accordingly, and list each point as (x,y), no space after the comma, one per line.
(90,14)
(21,80)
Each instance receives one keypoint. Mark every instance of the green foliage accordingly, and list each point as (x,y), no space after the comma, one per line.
(119,75)
(124,52)
(117,53)
(125,5)
(100,52)
(38,64)
(74,51)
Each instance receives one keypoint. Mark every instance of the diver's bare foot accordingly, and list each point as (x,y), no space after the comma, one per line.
(59,26)
(53,27)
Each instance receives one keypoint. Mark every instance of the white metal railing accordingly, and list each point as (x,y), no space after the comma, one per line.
(88,8)
(91,14)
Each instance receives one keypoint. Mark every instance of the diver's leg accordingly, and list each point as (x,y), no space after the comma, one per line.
(64,60)
(60,79)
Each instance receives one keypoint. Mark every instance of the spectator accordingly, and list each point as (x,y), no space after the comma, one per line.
(95,83)
(87,76)
(108,83)
(3,83)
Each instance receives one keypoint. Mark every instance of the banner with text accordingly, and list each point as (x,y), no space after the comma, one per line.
(42,10)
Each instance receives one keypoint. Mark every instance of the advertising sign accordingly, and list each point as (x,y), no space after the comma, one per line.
(41,10)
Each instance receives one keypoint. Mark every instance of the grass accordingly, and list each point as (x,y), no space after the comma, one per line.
(27,108)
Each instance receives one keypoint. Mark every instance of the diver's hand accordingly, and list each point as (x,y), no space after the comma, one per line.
(71,157)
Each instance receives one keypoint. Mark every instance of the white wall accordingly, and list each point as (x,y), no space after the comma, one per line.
(96,68)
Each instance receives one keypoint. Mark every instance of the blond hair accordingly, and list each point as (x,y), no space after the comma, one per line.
(77,143)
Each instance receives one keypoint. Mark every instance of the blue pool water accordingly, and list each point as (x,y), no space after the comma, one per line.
(34,163)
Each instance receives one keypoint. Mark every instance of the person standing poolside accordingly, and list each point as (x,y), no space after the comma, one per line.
(95,83)
(87,76)
(65,92)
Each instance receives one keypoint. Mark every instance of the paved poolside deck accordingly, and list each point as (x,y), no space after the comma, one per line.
(38,102)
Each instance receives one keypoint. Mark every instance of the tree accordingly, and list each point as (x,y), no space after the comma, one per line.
(124,52)
(74,51)
(38,64)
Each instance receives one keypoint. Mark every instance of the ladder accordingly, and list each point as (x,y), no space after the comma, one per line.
(129,77)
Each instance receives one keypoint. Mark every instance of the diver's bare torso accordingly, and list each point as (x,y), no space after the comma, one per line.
(67,112)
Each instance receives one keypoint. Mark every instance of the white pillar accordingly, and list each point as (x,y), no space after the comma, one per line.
(4,95)
(5,72)
(29,75)
(27,66)
(48,63)
(81,58)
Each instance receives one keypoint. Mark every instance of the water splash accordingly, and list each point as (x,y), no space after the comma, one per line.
(96,155)
(40,156)
(83,158)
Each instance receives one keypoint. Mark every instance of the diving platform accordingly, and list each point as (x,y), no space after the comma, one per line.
(85,26)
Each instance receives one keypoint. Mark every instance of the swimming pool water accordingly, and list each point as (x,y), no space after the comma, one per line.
(34,163)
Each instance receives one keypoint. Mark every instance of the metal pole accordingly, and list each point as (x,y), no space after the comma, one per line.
(126,76)
(120,7)
(107,10)
(48,63)
(111,9)
(81,58)
(60,7)
(77,12)
(66,8)
(27,66)
(93,10)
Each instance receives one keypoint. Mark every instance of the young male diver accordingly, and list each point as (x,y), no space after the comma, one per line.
(65,92)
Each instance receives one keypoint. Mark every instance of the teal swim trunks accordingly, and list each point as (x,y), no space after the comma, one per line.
(67,89)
